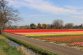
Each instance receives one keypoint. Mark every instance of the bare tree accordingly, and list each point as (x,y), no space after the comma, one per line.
(7,14)
(69,25)
(58,24)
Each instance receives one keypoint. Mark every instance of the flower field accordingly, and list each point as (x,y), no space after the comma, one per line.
(63,39)
(45,32)
(71,36)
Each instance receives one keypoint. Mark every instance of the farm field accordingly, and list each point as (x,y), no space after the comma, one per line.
(72,37)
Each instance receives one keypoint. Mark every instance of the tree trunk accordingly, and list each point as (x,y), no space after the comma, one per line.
(0,31)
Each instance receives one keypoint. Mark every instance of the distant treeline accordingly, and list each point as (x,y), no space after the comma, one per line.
(57,24)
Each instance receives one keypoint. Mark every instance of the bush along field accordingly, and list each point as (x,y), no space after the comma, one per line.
(6,49)
(71,37)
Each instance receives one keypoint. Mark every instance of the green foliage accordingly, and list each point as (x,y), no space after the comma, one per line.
(32,26)
(12,51)
(3,44)
(39,26)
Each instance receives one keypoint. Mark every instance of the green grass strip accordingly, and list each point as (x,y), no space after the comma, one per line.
(6,49)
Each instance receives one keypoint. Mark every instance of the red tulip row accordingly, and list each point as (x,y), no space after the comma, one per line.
(40,30)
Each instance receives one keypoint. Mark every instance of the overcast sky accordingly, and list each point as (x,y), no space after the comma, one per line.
(45,11)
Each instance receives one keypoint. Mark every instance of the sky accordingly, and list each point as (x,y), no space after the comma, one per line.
(46,11)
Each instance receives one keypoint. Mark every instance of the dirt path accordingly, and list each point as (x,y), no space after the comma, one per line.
(60,50)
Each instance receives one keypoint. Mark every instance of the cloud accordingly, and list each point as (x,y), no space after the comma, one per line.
(42,5)
(77,17)
(45,6)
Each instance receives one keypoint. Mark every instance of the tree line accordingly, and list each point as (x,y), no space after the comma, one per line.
(56,24)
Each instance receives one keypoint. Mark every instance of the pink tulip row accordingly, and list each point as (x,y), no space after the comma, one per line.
(77,43)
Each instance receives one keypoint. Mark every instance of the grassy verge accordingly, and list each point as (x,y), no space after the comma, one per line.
(5,49)
(36,49)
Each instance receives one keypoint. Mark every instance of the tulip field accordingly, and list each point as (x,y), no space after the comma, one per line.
(71,36)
